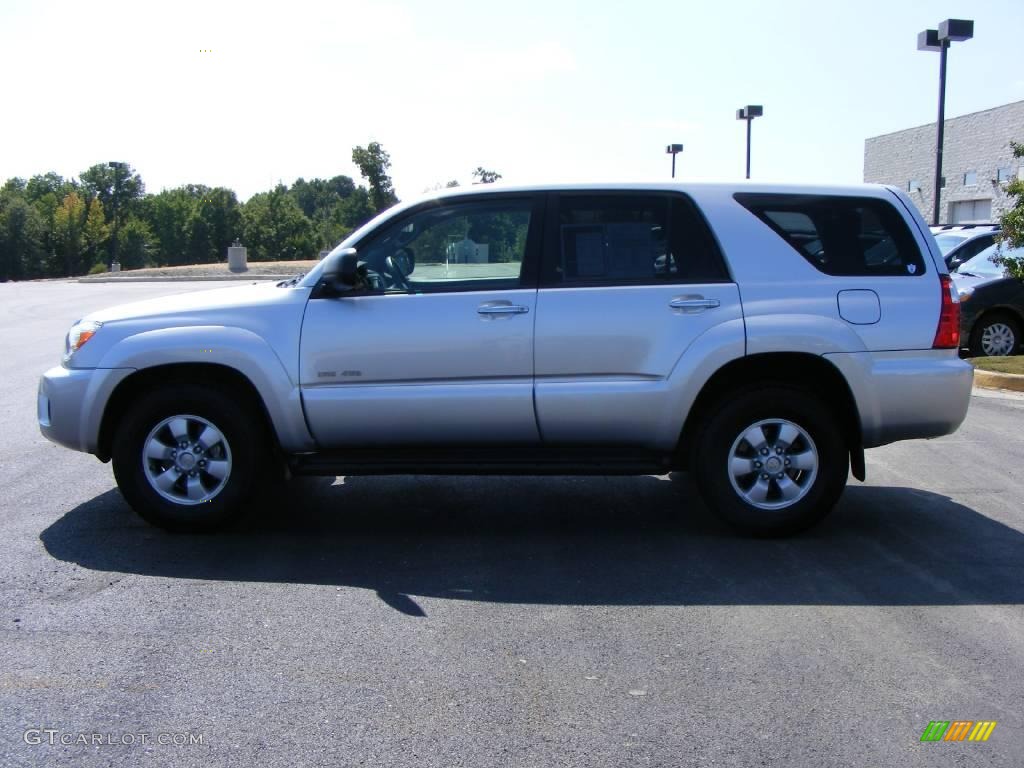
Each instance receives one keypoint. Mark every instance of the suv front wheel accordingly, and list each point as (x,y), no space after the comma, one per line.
(771,461)
(185,457)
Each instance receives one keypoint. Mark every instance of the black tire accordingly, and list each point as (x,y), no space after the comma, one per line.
(988,320)
(241,427)
(713,450)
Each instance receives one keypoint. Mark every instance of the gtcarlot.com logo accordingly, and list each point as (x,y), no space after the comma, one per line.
(55,736)
(958,730)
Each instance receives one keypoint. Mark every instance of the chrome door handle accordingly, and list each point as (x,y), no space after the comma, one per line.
(502,309)
(694,303)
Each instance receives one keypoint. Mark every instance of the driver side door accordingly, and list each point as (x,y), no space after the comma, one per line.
(437,349)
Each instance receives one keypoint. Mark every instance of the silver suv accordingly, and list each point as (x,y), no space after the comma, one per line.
(760,337)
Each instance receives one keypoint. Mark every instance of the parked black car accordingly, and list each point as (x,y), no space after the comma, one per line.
(991,304)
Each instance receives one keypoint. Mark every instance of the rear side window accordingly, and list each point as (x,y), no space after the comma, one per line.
(617,239)
(840,235)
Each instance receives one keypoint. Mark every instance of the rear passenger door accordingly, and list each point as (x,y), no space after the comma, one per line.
(628,282)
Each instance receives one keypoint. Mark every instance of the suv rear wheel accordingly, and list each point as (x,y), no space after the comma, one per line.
(185,458)
(771,461)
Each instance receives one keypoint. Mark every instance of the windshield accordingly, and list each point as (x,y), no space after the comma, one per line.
(948,242)
(982,264)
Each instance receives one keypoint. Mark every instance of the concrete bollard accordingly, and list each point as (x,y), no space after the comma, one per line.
(237,258)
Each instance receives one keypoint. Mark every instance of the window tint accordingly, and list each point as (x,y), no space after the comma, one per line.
(632,239)
(840,235)
(458,246)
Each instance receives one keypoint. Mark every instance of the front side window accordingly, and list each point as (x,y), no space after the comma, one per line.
(632,239)
(845,236)
(457,246)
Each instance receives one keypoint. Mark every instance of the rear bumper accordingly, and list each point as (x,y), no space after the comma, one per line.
(70,404)
(907,395)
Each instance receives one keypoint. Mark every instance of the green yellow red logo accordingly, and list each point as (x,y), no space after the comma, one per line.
(958,730)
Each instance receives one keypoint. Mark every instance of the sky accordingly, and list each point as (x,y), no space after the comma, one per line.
(245,95)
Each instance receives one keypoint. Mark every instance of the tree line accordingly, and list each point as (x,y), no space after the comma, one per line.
(56,227)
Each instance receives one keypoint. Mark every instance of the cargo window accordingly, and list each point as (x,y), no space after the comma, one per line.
(624,239)
(840,235)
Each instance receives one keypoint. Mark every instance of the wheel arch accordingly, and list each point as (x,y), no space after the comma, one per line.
(787,368)
(222,377)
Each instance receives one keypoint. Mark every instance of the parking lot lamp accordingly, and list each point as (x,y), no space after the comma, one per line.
(748,113)
(938,40)
(674,149)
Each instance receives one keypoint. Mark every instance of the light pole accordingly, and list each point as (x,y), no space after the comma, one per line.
(748,113)
(673,149)
(939,39)
(116,166)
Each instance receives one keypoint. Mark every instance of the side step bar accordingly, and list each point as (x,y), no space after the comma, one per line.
(483,462)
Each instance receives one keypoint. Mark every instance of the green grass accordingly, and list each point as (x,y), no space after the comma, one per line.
(1012,364)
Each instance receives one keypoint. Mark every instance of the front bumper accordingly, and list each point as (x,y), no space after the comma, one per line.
(70,404)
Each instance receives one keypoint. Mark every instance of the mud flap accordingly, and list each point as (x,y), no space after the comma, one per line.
(857,463)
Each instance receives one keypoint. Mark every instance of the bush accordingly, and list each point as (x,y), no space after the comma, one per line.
(98,269)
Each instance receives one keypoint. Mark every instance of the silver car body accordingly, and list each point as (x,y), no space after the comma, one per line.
(618,365)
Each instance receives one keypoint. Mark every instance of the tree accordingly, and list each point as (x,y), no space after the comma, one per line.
(68,220)
(167,214)
(484,176)
(94,232)
(373,163)
(213,224)
(137,244)
(21,236)
(120,185)
(1013,222)
(274,227)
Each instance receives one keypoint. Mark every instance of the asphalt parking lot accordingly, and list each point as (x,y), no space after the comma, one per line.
(502,621)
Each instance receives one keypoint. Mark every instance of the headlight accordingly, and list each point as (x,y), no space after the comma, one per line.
(80,333)
(965,294)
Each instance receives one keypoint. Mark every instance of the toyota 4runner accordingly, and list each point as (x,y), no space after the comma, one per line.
(760,337)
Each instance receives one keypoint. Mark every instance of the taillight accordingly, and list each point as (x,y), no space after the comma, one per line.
(947,335)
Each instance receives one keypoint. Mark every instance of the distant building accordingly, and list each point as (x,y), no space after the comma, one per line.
(977,163)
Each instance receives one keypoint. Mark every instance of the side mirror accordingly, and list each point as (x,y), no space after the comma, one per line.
(339,273)
(347,268)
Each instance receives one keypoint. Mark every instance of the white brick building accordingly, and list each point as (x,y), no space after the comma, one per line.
(977,163)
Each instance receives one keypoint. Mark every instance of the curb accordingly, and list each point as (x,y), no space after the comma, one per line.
(995,380)
(182,278)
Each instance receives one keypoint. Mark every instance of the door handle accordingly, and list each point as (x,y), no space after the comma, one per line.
(502,309)
(693,303)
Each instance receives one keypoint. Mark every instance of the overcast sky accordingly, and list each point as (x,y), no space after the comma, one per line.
(244,95)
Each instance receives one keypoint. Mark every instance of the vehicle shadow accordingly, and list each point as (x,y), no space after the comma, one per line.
(570,541)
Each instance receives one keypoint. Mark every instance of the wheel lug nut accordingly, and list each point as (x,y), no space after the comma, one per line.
(787,462)
(764,476)
(778,450)
(764,451)
(757,464)
(778,476)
